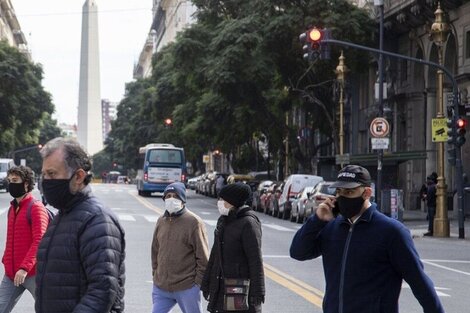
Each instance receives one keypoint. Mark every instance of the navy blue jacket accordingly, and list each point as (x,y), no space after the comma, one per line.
(365,263)
(80,260)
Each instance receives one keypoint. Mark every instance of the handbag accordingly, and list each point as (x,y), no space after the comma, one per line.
(236,294)
(235,289)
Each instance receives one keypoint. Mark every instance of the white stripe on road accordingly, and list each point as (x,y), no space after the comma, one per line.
(211,222)
(126,217)
(438,292)
(280,228)
(445,267)
(151,218)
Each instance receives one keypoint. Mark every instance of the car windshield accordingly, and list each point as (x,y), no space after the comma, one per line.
(164,156)
(3,167)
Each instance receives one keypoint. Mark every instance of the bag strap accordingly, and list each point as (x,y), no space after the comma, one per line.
(28,211)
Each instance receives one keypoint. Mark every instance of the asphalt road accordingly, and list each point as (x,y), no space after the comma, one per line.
(291,286)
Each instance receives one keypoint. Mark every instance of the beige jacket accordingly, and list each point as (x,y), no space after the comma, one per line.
(179,251)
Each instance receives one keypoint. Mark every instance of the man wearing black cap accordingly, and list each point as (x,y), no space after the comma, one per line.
(366,255)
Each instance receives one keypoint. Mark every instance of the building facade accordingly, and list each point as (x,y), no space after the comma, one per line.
(169,17)
(108,112)
(410,104)
(10,29)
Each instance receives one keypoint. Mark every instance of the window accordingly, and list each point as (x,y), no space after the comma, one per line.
(164,156)
(467,45)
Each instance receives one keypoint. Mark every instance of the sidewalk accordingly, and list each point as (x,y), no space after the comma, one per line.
(416,221)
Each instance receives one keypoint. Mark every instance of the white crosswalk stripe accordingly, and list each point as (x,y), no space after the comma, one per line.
(151,218)
(280,228)
(126,217)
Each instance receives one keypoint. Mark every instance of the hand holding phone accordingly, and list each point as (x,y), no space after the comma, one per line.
(327,210)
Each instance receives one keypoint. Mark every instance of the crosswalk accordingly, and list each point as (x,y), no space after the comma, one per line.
(126,217)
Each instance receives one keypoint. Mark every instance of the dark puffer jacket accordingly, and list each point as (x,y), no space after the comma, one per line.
(240,238)
(80,261)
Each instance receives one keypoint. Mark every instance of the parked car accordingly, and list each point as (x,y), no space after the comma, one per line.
(234,178)
(200,183)
(260,190)
(192,182)
(273,202)
(5,165)
(294,183)
(265,199)
(318,195)
(297,213)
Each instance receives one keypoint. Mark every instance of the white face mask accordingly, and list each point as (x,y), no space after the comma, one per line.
(222,209)
(173,205)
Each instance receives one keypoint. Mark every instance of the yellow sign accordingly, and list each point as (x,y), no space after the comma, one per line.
(205,158)
(439,130)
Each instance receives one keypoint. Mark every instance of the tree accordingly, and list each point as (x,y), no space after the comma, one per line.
(23,101)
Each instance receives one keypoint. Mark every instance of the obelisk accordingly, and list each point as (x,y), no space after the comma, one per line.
(89,128)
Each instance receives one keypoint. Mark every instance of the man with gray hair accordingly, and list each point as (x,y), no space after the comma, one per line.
(80,261)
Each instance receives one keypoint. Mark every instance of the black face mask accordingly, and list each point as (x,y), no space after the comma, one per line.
(57,192)
(16,189)
(349,207)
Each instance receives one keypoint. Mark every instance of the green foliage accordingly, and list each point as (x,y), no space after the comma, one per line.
(235,73)
(25,106)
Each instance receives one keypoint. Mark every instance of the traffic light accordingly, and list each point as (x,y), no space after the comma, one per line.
(451,131)
(168,122)
(460,130)
(313,45)
(451,155)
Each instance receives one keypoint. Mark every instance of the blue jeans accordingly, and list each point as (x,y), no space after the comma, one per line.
(10,294)
(189,300)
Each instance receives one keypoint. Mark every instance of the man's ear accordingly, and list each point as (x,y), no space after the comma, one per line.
(368,192)
(80,176)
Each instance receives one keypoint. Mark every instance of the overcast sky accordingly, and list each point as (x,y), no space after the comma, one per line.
(52,29)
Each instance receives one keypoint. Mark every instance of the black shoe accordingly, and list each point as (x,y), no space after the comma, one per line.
(429,233)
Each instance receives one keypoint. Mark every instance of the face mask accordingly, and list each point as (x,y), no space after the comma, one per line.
(222,209)
(349,207)
(57,192)
(173,205)
(16,189)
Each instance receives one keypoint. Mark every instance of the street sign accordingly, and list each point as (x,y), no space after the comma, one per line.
(439,129)
(205,158)
(380,143)
(342,159)
(379,127)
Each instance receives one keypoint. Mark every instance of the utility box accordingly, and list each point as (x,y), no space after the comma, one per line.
(392,203)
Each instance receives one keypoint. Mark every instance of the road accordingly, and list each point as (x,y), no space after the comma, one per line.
(291,286)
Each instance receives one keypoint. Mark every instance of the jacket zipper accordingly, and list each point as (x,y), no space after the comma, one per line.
(15,214)
(343,268)
(41,283)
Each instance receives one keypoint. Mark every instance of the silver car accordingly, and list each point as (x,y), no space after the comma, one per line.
(318,195)
(298,204)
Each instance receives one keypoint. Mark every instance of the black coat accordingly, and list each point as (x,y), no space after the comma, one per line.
(239,235)
(80,260)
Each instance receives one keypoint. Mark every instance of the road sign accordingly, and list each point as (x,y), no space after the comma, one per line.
(205,158)
(379,127)
(439,129)
(380,143)
(342,159)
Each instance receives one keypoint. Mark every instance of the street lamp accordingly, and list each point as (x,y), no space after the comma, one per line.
(380,5)
(439,33)
(341,71)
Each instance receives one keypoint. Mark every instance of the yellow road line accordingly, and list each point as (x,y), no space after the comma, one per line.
(302,284)
(301,291)
(309,293)
(147,203)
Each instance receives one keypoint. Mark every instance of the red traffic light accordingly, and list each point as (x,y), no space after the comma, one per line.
(461,123)
(168,121)
(315,34)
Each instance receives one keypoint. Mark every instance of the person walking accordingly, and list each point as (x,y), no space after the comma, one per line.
(235,255)
(431,203)
(80,260)
(179,255)
(219,183)
(366,255)
(27,223)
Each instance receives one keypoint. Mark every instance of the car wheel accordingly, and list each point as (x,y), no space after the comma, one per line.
(299,219)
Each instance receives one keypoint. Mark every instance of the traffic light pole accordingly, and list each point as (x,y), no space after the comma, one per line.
(456,100)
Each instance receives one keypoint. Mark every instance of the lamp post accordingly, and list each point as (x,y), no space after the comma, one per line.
(13,152)
(439,33)
(378,187)
(341,71)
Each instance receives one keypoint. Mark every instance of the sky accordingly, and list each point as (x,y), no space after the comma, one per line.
(53,31)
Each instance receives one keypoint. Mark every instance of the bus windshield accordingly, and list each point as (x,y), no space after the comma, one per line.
(164,156)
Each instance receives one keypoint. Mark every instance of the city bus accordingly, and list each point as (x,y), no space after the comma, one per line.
(160,164)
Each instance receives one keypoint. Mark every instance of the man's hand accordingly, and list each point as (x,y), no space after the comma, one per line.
(325,210)
(20,276)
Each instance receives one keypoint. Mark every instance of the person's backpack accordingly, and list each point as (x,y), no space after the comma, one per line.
(50,214)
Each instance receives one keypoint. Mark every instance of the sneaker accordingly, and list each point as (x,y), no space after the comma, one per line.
(429,233)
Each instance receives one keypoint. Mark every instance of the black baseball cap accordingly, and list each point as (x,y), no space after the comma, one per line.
(352,176)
